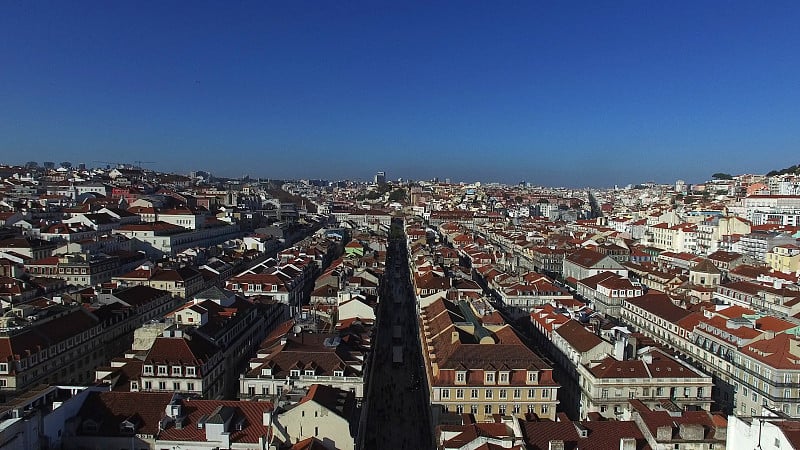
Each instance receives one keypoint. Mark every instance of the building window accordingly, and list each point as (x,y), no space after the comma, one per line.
(489,378)
(489,393)
(545,393)
(162,385)
(503,393)
(190,372)
(504,377)
(461,377)
(487,409)
(604,393)
(148,370)
(176,386)
(445,393)
(532,377)
(473,409)
(176,371)
(474,393)
(517,393)
(545,409)
(502,409)
(459,393)
(162,370)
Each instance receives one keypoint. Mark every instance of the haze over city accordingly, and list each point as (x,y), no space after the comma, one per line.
(576,94)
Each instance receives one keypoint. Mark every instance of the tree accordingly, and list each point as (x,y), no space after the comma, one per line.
(722,176)
(398,195)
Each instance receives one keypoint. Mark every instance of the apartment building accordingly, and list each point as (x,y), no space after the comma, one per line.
(585,263)
(290,359)
(606,291)
(482,369)
(653,377)
(59,344)
(750,355)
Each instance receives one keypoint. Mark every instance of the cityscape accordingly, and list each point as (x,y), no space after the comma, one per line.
(157,310)
(371,225)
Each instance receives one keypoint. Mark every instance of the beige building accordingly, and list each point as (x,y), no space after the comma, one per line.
(654,377)
(784,258)
(478,365)
(326,413)
(289,360)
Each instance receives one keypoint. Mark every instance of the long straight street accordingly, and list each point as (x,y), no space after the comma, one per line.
(397,406)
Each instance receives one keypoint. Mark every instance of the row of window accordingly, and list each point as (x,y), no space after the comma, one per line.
(489,393)
(501,377)
(162,386)
(657,392)
(177,371)
(501,409)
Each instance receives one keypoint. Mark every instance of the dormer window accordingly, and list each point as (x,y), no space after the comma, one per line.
(90,426)
(338,373)
(503,378)
(190,371)
(127,427)
(294,373)
(461,377)
(148,370)
(533,377)
(309,372)
(266,371)
(176,371)
(488,378)
(162,370)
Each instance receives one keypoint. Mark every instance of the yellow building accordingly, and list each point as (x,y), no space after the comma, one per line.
(784,258)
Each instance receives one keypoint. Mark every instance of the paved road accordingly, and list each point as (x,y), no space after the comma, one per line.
(397,408)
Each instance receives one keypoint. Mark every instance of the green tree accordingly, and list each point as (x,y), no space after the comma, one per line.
(398,195)
(722,176)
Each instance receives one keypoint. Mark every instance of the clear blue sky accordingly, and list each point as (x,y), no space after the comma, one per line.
(556,93)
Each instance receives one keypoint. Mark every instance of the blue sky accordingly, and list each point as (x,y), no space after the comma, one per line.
(556,93)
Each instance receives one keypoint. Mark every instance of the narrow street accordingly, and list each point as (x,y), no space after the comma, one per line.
(396,405)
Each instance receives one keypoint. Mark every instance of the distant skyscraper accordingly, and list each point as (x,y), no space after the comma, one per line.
(380,178)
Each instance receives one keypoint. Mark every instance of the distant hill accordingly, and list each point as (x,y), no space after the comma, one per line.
(795,169)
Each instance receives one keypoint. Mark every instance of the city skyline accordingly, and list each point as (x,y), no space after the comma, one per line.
(568,94)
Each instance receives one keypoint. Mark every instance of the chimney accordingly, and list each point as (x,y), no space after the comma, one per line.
(267,417)
(691,432)
(664,433)
(627,444)
(619,349)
